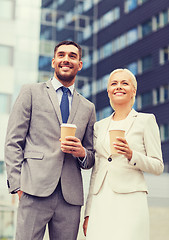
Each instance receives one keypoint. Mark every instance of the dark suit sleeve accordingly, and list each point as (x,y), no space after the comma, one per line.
(88,142)
(17,129)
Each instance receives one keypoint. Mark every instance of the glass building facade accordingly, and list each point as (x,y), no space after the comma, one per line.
(129,34)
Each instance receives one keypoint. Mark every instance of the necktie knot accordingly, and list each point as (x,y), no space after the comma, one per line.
(65,90)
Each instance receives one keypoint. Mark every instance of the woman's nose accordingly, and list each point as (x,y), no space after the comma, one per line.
(118,85)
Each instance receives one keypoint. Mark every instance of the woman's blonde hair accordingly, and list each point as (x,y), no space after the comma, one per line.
(132,77)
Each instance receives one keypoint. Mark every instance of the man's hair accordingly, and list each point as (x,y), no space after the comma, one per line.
(69,43)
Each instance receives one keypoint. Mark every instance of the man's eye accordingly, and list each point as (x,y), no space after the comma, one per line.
(72,56)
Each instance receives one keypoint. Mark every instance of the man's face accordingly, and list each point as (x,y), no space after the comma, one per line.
(66,64)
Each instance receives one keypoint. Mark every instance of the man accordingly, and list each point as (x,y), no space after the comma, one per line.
(44,172)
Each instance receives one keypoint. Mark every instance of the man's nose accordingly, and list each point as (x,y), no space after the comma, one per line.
(66,58)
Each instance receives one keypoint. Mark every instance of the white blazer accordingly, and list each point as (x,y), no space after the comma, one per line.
(142,135)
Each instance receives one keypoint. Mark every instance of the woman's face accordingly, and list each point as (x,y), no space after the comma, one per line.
(120,89)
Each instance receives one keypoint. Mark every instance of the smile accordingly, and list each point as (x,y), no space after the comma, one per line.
(119,93)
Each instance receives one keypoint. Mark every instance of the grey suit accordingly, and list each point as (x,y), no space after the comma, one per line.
(34,160)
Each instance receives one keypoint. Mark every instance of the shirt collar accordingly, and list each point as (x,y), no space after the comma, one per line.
(56,84)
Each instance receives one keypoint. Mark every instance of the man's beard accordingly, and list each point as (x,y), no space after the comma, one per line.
(66,78)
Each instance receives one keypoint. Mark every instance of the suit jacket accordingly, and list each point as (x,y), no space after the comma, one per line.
(34,160)
(123,176)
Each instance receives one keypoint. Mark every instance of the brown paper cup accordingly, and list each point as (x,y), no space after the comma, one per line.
(67,130)
(113,134)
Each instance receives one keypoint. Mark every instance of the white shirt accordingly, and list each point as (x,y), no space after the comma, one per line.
(57,86)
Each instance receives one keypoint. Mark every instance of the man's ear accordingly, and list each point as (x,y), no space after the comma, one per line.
(80,65)
(53,63)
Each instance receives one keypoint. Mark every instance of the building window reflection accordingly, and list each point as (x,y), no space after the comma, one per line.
(147,99)
(6,55)
(1,167)
(147,63)
(5,100)
(7,220)
(7,9)
(146,28)
(133,67)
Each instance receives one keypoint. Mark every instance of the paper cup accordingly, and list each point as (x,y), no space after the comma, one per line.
(113,134)
(67,130)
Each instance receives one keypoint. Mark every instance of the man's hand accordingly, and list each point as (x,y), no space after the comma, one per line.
(85,224)
(19,194)
(73,146)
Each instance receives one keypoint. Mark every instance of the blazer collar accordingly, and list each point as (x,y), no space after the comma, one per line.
(52,95)
(129,122)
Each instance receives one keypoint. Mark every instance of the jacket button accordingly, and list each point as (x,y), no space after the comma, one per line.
(109,159)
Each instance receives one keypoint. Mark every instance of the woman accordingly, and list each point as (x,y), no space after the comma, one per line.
(116,206)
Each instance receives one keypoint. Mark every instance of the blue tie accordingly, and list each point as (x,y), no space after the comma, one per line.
(64,105)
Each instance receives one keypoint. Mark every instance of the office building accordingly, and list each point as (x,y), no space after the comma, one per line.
(19,52)
(131,34)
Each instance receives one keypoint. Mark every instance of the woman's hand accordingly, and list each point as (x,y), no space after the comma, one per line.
(122,147)
(85,224)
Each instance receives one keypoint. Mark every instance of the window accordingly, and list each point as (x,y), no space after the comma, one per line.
(116,13)
(87,32)
(5,100)
(6,55)
(46,32)
(166,54)
(146,99)
(133,67)
(45,63)
(156,96)
(107,49)
(7,226)
(165,17)
(166,92)
(130,5)
(87,5)
(87,61)
(157,22)
(147,63)
(107,111)
(1,167)
(166,131)
(132,36)
(60,23)
(146,28)
(7,9)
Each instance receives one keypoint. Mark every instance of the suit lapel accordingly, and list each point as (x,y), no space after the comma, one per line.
(74,107)
(104,133)
(53,97)
(55,103)
(129,122)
